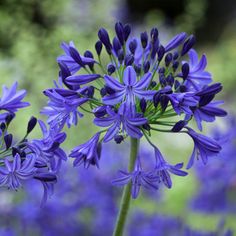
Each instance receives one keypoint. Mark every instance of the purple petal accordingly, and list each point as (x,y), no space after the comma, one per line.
(129,76)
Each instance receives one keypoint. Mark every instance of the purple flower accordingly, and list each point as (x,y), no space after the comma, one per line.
(62,107)
(47,149)
(182,102)
(129,90)
(162,169)
(204,147)
(138,178)
(120,122)
(16,171)
(72,59)
(87,153)
(11,100)
(208,113)
(197,77)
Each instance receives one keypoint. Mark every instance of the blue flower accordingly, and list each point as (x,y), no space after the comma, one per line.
(47,150)
(162,169)
(120,122)
(182,102)
(129,90)
(72,59)
(87,153)
(11,100)
(62,107)
(17,171)
(138,178)
(197,76)
(204,147)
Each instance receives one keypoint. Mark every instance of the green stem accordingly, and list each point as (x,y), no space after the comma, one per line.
(125,201)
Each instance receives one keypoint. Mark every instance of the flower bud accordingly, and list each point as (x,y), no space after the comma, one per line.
(188,44)
(129,59)
(160,52)
(168,59)
(127,30)
(143,105)
(104,37)
(146,66)
(111,69)
(8,141)
(98,47)
(120,32)
(185,70)
(31,124)
(144,39)
(133,46)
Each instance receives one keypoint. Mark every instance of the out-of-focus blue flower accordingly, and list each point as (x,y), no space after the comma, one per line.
(16,171)
(217,180)
(11,99)
(87,153)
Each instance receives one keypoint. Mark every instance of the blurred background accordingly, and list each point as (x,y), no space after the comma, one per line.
(30,35)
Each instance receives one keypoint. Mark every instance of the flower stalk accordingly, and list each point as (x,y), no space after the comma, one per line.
(125,200)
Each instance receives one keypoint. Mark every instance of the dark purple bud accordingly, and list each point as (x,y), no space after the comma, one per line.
(188,44)
(155,47)
(160,52)
(182,88)
(133,46)
(64,73)
(3,126)
(98,47)
(146,126)
(175,65)
(75,55)
(162,80)
(162,70)
(9,118)
(111,69)
(118,139)
(88,54)
(103,92)
(175,55)
(104,37)
(146,66)
(120,32)
(156,99)
(90,91)
(137,69)
(15,151)
(120,56)
(8,140)
(116,45)
(153,84)
(109,90)
(31,124)
(170,80)
(178,126)
(129,59)
(100,111)
(168,59)
(45,177)
(144,39)
(185,70)
(177,84)
(154,34)
(164,100)
(143,105)
(127,30)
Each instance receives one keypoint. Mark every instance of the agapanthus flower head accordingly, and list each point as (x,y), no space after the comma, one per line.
(136,90)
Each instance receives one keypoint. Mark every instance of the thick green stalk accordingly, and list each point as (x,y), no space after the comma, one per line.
(125,200)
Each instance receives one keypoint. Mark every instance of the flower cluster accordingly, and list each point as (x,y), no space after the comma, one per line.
(24,159)
(139,91)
